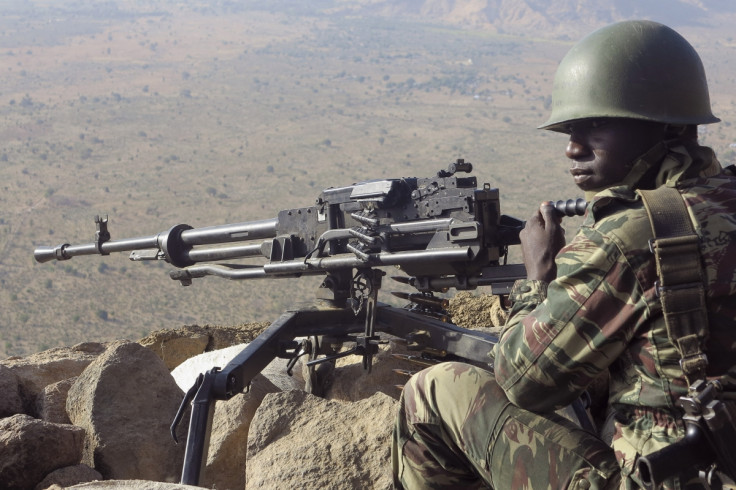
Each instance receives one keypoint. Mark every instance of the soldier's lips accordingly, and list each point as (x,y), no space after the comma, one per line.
(580,174)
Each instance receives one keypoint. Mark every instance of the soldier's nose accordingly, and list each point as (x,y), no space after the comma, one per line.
(575,149)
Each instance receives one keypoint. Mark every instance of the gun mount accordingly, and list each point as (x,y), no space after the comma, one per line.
(442,232)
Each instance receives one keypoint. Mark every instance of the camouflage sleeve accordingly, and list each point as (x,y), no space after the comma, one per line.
(557,341)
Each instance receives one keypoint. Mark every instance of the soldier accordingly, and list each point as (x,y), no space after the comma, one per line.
(630,97)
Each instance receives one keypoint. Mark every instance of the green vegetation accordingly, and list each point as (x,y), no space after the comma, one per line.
(161,114)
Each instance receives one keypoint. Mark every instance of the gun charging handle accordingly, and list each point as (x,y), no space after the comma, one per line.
(563,208)
(570,207)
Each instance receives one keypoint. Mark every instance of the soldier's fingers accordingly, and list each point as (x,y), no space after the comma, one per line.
(549,213)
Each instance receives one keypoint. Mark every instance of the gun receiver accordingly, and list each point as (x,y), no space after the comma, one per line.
(442,232)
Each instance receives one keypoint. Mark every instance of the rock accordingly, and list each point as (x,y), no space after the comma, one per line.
(51,402)
(175,346)
(68,476)
(298,440)
(31,448)
(126,400)
(10,400)
(133,485)
(352,383)
(44,368)
(482,312)
(226,459)
(221,337)
(175,349)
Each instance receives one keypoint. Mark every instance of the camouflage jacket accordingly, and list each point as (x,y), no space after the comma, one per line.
(602,313)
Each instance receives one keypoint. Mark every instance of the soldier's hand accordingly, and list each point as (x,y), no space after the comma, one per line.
(541,240)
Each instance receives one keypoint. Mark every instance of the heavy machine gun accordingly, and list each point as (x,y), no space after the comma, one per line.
(442,232)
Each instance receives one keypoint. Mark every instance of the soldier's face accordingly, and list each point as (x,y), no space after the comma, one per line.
(603,150)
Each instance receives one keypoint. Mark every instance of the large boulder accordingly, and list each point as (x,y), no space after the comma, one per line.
(31,448)
(39,370)
(10,400)
(125,400)
(298,440)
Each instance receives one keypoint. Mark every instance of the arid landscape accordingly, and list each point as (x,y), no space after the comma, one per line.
(155,113)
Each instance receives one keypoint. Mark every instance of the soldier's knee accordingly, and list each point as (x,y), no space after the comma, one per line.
(441,388)
(457,397)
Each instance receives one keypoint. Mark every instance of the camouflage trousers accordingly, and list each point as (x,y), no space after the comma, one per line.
(457,429)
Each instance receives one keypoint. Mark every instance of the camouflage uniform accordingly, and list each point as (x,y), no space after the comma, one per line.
(459,425)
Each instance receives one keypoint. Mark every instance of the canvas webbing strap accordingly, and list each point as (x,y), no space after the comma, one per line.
(681,287)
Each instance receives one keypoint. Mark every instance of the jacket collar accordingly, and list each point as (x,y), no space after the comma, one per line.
(667,163)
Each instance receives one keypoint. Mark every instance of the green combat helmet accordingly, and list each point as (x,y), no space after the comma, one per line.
(634,69)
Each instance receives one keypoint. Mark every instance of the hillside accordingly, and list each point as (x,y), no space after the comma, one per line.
(156,113)
(562,19)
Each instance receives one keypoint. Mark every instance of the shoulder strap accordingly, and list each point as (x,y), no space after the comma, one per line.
(681,287)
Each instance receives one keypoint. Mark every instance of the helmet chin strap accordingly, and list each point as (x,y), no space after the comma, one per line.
(638,167)
(675,130)
(681,131)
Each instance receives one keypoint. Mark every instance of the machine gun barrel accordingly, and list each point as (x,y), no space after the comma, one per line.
(249,230)
(175,244)
(66,251)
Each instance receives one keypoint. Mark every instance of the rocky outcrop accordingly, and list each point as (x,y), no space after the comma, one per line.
(98,415)
(37,371)
(107,408)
